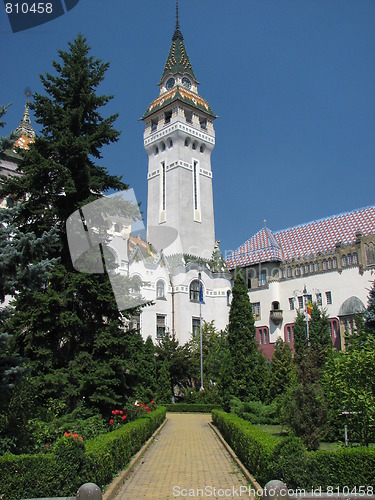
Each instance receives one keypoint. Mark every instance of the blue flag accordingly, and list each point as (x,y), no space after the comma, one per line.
(201,295)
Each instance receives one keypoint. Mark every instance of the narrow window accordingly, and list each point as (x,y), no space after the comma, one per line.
(300,302)
(160,326)
(203,123)
(329,297)
(256,310)
(319,299)
(195,186)
(289,334)
(196,327)
(154,125)
(194,291)
(291,303)
(344,261)
(163,184)
(188,116)
(265,336)
(263,278)
(160,290)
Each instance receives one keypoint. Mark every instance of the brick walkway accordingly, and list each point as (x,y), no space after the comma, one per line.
(186,460)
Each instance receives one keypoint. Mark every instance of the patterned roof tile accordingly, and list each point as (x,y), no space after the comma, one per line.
(305,240)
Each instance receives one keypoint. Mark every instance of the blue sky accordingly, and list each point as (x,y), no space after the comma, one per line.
(293,83)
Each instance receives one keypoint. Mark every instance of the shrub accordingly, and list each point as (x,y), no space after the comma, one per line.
(268,457)
(255,412)
(69,466)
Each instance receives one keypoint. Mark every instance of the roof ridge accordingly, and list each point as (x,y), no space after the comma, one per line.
(304,224)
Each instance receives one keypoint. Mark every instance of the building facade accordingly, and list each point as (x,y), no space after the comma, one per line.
(329,261)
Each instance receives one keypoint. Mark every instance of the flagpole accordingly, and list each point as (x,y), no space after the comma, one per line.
(200,328)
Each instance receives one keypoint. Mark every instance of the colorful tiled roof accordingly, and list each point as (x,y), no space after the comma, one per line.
(305,240)
(178,59)
(179,94)
(25,131)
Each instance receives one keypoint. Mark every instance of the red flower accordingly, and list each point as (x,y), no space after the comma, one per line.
(152,402)
(113,412)
(121,412)
(136,411)
(111,421)
(124,417)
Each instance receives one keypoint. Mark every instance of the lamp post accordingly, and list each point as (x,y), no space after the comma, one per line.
(200,325)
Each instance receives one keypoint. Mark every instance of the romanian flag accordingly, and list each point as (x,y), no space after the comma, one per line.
(309,307)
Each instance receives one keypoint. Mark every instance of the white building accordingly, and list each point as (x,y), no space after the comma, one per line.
(329,261)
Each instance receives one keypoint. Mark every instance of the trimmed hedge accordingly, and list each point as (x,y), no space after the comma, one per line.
(268,457)
(43,475)
(191,407)
(253,446)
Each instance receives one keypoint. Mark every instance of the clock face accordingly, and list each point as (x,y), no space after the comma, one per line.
(170,83)
(186,82)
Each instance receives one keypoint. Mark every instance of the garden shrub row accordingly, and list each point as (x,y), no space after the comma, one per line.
(191,407)
(74,463)
(268,457)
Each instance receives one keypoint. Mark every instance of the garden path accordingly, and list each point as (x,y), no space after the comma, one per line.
(185,460)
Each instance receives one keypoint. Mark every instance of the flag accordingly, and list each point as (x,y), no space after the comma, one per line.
(309,307)
(201,294)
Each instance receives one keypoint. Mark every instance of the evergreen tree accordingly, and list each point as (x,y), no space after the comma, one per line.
(168,348)
(71,330)
(147,372)
(164,388)
(370,313)
(242,345)
(281,369)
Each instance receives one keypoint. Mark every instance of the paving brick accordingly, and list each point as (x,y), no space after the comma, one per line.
(186,460)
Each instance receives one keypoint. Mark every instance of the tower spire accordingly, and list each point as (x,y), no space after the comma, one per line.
(177,33)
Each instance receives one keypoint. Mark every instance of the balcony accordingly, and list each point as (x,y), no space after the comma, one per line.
(276,316)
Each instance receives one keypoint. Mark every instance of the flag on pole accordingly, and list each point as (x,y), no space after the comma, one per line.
(201,294)
(309,307)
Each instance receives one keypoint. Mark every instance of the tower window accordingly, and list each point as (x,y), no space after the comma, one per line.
(195,144)
(203,123)
(163,185)
(188,116)
(170,143)
(187,141)
(162,146)
(195,186)
(154,125)
(156,150)
(167,116)
(202,148)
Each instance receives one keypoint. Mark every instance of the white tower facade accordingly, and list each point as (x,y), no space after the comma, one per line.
(179,138)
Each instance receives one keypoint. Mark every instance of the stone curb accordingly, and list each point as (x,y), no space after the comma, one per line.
(118,481)
(257,487)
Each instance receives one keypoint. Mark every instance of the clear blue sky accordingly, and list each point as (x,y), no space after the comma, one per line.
(293,82)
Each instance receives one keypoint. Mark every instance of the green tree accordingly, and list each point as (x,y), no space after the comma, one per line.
(282,370)
(70,331)
(349,382)
(370,313)
(242,346)
(304,407)
(164,389)
(168,348)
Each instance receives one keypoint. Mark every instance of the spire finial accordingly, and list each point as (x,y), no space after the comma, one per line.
(177,33)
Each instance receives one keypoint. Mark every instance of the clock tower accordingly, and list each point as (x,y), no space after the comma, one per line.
(179,138)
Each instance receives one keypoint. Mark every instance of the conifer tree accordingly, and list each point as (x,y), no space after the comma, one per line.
(370,312)
(241,343)
(164,387)
(70,331)
(281,369)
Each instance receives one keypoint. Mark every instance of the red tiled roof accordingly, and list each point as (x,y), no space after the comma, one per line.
(304,240)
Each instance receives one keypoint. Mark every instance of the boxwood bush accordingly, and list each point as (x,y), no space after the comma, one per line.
(268,457)
(62,472)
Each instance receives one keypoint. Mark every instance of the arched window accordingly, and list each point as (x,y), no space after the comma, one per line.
(275,305)
(194,290)
(156,150)
(355,258)
(324,265)
(160,290)
(170,143)
(260,337)
(329,264)
(265,336)
(187,141)
(195,144)
(316,267)
(162,146)
(229,297)
(349,257)
(334,263)
(344,261)
(202,148)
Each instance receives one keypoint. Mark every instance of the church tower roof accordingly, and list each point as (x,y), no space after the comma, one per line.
(25,130)
(178,60)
